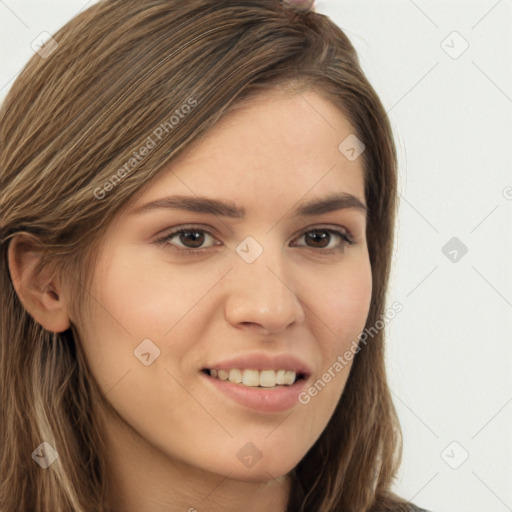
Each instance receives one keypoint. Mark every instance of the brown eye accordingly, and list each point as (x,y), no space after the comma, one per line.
(194,238)
(325,239)
(319,239)
(188,240)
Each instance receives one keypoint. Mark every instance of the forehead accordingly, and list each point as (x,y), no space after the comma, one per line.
(276,147)
(287,124)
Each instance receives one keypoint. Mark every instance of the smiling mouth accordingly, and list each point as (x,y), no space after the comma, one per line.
(264,379)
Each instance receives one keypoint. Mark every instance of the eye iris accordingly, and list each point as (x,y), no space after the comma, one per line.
(196,237)
(321,236)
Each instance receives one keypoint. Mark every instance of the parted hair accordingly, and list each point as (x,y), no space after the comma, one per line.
(110,77)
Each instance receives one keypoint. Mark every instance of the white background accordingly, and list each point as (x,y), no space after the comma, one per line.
(450,349)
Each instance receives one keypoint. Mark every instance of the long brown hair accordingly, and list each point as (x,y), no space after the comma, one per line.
(68,127)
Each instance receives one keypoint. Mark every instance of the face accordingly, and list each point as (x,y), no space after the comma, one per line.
(261,283)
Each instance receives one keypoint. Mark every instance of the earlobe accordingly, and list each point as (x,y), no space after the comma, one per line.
(39,294)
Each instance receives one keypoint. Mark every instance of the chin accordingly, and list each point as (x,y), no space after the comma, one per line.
(260,473)
(269,463)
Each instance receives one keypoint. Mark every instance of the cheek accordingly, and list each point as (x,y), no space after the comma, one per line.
(342,306)
(349,306)
(149,298)
(343,303)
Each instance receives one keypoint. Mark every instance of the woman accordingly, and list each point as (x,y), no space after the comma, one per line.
(197,207)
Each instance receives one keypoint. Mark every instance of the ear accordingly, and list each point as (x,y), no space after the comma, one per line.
(40,295)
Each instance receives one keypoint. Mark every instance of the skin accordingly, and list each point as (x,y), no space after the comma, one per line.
(173,440)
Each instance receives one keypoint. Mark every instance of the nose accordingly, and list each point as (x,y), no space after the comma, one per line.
(260,298)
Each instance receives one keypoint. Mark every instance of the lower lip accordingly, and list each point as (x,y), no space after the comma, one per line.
(277,399)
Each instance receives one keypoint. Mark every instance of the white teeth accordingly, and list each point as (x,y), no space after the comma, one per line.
(235,376)
(267,378)
(289,378)
(251,378)
(255,378)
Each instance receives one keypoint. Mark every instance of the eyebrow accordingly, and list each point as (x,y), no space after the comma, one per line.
(316,206)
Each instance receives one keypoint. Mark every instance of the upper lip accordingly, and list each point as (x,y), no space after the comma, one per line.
(264,362)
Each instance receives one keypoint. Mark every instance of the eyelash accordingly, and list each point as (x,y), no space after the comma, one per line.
(165,240)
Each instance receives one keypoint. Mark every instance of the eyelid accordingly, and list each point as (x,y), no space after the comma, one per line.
(326,227)
(163,239)
(343,233)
